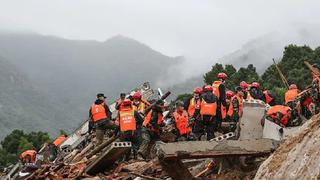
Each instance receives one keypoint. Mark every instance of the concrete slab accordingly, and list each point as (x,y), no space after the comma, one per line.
(115,151)
(250,123)
(206,149)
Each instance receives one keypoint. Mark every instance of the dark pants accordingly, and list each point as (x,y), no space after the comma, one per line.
(148,137)
(208,125)
(101,127)
(130,136)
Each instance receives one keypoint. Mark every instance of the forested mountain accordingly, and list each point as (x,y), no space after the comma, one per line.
(23,107)
(69,73)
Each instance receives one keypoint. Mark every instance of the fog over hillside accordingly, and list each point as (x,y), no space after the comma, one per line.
(69,73)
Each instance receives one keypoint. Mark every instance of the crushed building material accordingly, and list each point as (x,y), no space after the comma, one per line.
(297,157)
(108,157)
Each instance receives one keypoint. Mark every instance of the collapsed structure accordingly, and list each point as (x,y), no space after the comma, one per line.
(229,156)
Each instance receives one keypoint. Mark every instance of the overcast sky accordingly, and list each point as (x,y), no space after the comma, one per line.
(197,28)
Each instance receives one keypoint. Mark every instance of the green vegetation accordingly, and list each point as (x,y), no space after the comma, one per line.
(248,74)
(291,65)
(17,142)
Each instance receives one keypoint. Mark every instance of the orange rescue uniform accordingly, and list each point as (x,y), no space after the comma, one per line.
(291,95)
(193,105)
(31,153)
(127,120)
(231,110)
(284,110)
(59,140)
(181,120)
(146,122)
(267,97)
(216,92)
(98,112)
(208,108)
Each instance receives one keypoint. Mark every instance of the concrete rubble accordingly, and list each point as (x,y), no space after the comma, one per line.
(297,157)
(245,154)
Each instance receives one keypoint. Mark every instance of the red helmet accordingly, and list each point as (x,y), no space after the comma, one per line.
(137,95)
(222,76)
(197,90)
(255,84)
(126,102)
(208,88)
(293,86)
(229,94)
(244,85)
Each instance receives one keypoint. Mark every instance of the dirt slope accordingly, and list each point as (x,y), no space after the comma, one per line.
(297,157)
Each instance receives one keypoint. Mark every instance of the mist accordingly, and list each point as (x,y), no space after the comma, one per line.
(203,32)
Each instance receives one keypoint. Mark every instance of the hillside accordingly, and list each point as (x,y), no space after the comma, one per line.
(22,106)
(261,50)
(70,72)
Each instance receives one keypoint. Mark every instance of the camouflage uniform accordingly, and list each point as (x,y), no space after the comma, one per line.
(234,119)
(149,134)
(315,94)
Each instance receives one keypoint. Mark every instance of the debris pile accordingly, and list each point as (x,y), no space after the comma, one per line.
(297,156)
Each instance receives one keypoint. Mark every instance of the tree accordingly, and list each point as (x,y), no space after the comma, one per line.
(292,67)
(17,142)
(12,141)
(248,74)
(211,76)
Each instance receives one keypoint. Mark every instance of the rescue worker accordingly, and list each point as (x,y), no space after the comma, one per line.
(180,117)
(28,156)
(193,104)
(244,85)
(290,98)
(225,125)
(306,101)
(138,105)
(291,95)
(219,90)
(151,128)
(128,121)
(59,140)
(315,94)
(100,115)
(235,109)
(256,92)
(120,100)
(279,114)
(268,98)
(229,95)
(208,112)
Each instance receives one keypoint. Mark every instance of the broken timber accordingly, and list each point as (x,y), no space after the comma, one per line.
(108,157)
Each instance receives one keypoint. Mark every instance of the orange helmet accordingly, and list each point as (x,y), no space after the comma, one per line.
(255,84)
(243,84)
(222,76)
(293,86)
(229,94)
(127,102)
(208,88)
(137,95)
(197,90)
